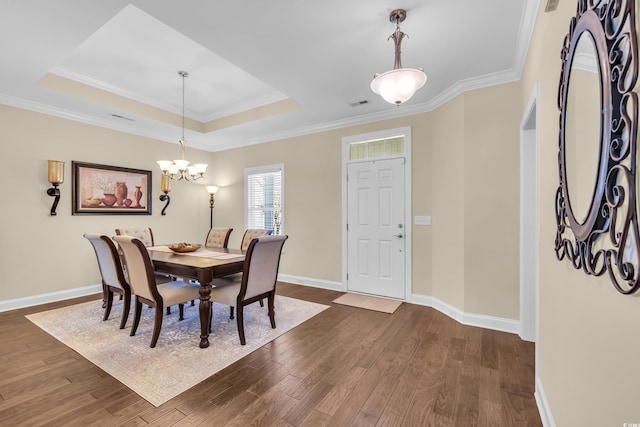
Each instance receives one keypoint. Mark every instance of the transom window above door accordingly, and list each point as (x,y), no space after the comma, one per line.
(377,148)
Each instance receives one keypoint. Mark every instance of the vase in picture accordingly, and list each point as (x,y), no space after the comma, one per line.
(137,195)
(109,199)
(121,192)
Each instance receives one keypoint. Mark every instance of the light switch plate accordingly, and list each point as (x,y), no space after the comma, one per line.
(422,220)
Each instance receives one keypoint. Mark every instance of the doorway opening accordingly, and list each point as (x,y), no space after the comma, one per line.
(529,221)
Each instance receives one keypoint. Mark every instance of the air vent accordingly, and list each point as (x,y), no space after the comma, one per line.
(118,116)
(551,5)
(358,103)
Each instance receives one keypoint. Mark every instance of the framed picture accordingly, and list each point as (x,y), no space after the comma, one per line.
(110,190)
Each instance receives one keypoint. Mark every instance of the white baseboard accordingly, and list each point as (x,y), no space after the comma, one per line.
(479,320)
(471,319)
(315,283)
(543,405)
(14,304)
(489,322)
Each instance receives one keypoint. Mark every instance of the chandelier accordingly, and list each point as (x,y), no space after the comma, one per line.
(180,169)
(400,84)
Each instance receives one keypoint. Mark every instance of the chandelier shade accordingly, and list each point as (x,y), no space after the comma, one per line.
(400,84)
(180,169)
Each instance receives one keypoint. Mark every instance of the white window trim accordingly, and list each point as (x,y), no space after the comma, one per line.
(264,169)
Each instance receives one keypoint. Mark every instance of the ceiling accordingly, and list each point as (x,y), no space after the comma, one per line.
(259,71)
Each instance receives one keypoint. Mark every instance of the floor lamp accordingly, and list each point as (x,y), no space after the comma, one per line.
(211,189)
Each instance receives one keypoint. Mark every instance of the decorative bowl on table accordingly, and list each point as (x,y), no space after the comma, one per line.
(184,247)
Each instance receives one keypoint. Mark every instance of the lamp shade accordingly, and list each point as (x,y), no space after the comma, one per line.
(56,172)
(398,85)
(212,188)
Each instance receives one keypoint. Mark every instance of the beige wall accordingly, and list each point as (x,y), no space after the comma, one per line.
(446,261)
(588,332)
(447,140)
(492,201)
(40,253)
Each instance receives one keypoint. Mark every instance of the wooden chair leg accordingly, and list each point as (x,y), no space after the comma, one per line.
(261,303)
(125,311)
(272,314)
(136,317)
(181,311)
(168,311)
(231,312)
(157,325)
(240,321)
(109,302)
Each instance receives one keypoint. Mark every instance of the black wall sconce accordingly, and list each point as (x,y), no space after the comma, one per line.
(165,187)
(56,177)
(211,189)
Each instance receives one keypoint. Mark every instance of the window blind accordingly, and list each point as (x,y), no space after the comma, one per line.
(265,198)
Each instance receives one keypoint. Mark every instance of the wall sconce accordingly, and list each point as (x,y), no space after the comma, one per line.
(56,177)
(211,189)
(165,186)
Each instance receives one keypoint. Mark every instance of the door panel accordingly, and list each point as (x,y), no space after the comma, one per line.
(375,235)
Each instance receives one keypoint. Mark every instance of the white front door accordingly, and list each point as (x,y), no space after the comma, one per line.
(375,228)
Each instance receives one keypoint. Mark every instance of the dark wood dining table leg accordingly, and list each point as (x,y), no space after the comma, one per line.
(205,313)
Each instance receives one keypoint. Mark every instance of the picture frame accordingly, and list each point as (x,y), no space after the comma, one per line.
(109,190)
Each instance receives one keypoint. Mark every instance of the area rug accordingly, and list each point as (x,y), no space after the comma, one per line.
(368,302)
(175,364)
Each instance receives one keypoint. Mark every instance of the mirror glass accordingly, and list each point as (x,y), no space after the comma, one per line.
(582,127)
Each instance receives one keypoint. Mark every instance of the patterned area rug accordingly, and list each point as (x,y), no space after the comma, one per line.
(368,302)
(175,364)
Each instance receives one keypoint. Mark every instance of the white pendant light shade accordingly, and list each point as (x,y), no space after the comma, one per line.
(398,86)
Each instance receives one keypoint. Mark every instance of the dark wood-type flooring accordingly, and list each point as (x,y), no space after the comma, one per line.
(344,367)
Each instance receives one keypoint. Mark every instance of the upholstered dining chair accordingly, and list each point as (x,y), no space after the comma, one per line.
(145,235)
(113,280)
(218,237)
(250,234)
(259,277)
(143,285)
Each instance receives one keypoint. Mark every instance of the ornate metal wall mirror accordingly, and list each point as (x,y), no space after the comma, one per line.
(597,224)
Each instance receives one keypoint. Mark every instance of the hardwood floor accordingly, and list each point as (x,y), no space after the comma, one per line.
(344,367)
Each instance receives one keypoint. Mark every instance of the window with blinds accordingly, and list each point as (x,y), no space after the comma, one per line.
(264,191)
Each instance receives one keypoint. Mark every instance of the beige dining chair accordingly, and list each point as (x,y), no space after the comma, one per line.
(143,285)
(259,277)
(249,234)
(218,237)
(113,280)
(145,235)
